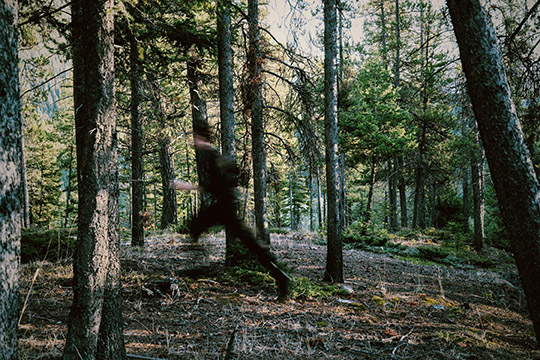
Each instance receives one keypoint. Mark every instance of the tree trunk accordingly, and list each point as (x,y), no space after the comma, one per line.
(516,185)
(68,187)
(226,101)
(96,309)
(137,175)
(392,194)
(369,201)
(477,179)
(319,200)
(402,194)
(419,215)
(257,128)
(199,118)
(11,191)
(166,162)
(334,256)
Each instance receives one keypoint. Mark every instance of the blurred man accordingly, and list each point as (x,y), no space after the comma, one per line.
(222,183)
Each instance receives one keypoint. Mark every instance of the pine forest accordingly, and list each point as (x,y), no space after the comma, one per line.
(277,179)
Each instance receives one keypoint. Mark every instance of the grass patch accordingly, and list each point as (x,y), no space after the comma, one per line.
(303,288)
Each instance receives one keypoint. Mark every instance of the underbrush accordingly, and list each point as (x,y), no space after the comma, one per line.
(53,245)
(450,246)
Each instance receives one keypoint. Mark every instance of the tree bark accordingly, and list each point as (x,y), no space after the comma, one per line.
(199,118)
(226,101)
(516,185)
(96,309)
(477,180)
(169,211)
(137,175)
(419,213)
(11,191)
(257,128)
(334,256)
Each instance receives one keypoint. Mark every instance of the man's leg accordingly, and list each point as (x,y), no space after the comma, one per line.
(206,218)
(262,251)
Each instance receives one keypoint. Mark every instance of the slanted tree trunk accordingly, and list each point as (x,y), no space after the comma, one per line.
(257,128)
(199,118)
(11,191)
(95,320)
(334,256)
(137,175)
(516,185)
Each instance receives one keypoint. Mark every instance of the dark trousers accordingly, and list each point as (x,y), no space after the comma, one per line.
(226,214)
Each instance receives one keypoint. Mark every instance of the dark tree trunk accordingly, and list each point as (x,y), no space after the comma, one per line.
(369,202)
(11,191)
(166,162)
(226,102)
(334,256)
(257,128)
(199,118)
(477,180)
(392,194)
(402,194)
(96,309)
(516,185)
(137,175)
(419,213)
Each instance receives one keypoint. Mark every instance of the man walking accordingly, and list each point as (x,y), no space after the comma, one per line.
(222,183)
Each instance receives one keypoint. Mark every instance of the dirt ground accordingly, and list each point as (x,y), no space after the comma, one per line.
(394,310)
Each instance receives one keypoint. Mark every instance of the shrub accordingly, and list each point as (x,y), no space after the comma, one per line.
(52,245)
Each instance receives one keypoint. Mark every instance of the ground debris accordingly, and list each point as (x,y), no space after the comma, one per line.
(395,309)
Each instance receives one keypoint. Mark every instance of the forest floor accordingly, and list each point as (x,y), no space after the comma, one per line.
(388,308)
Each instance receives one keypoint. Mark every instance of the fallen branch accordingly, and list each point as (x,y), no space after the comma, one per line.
(230,345)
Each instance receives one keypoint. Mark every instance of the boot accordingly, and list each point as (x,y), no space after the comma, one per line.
(283,281)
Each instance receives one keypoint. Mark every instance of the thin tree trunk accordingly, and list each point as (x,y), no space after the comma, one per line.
(419,217)
(402,194)
(334,256)
(310,189)
(11,178)
(343,202)
(319,200)
(257,128)
(96,309)
(137,176)
(512,171)
(477,180)
(369,201)
(392,194)
(68,187)
(166,162)
(26,222)
(199,118)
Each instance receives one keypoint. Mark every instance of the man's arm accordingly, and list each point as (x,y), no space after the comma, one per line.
(183,185)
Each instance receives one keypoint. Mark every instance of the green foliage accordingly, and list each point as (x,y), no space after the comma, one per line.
(373,124)
(240,275)
(303,288)
(52,245)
